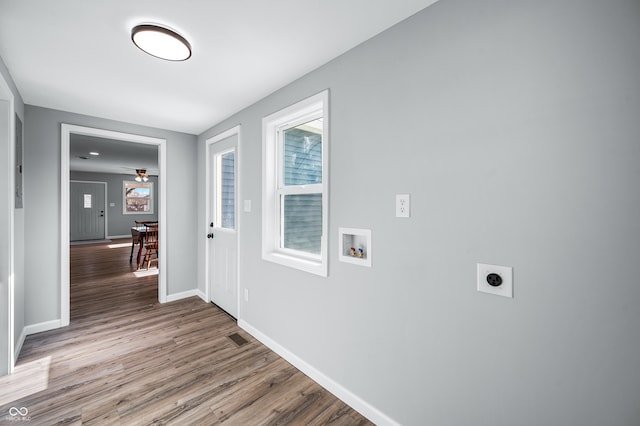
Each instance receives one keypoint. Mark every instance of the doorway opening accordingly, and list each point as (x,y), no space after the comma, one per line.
(68,131)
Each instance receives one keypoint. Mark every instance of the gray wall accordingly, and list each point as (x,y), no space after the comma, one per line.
(514,126)
(119,224)
(42,193)
(18,229)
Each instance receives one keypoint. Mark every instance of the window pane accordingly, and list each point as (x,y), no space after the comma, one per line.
(138,198)
(303,154)
(302,221)
(227,192)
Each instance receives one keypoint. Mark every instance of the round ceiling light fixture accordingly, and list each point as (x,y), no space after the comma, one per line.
(161,42)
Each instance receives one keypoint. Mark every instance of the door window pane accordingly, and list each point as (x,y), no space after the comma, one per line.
(226,194)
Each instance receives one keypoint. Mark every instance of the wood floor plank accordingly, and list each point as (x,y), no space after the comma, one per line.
(125,359)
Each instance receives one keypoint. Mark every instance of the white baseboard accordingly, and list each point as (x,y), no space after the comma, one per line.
(185,294)
(364,408)
(114,237)
(42,326)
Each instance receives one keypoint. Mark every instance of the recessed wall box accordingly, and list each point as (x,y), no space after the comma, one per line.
(355,246)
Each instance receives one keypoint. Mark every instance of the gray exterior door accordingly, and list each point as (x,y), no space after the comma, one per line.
(86,211)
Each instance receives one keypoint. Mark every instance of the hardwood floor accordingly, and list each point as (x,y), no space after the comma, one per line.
(127,360)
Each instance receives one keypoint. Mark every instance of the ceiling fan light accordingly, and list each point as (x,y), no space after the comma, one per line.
(161,42)
(138,179)
(145,178)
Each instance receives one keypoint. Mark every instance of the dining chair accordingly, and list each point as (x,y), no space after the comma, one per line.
(151,244)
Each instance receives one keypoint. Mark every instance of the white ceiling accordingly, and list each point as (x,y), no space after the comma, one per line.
(77,55)
(115,156)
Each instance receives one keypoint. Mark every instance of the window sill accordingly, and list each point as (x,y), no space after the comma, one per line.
(316,267)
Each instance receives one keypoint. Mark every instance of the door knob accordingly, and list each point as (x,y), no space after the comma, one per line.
(209,235)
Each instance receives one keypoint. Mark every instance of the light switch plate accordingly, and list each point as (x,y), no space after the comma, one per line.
(247,206)
(506,275)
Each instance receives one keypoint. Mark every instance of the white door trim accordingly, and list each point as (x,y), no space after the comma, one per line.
(106,210)
(209,214)
(67,130)
(7,94)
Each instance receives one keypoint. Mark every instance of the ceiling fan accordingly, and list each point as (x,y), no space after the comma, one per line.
(141,175)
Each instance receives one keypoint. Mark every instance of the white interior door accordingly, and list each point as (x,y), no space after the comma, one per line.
(223,236)
(86,211)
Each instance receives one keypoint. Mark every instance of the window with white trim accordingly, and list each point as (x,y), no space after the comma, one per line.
(295,185)
(137,197)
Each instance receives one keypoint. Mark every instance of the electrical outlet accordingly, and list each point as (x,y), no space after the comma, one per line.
(494,279)
(403,205)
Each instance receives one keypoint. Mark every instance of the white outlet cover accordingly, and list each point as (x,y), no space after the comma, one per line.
(505,272)
(403,205)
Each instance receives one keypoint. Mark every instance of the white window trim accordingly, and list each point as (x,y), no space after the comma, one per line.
(300,112)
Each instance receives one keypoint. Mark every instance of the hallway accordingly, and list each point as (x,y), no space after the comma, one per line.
(126,359)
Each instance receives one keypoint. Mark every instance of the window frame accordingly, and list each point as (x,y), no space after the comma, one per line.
(274,190)
(124,197)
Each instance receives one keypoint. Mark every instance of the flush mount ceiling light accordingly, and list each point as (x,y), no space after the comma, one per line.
(161,42)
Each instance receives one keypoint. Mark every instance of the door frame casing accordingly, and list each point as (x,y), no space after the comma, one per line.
(236,130)
(65,139)
(106,210)
(7,95)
